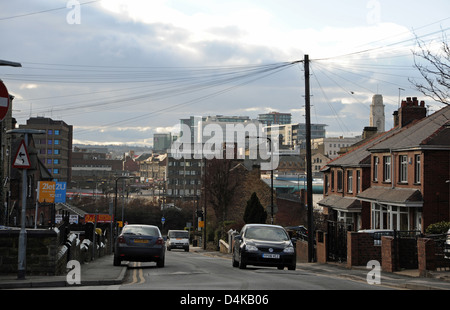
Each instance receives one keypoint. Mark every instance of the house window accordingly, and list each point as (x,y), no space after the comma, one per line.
(57,132)
(387,168)
(403,169)
(417,169)
(375,169)
(339,181)
(332,181)
(358,181)
(50,131)
(350,181)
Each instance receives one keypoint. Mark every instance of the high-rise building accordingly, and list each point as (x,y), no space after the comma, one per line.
(54,147)
(275,118)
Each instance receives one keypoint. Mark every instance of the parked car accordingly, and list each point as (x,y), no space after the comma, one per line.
(178,239)
(447,245)
(263,245)
(377,234)
(140,243)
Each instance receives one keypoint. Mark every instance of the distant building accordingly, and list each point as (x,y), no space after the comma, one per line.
(54,147)
(331,147)
(275,118)
(377,117)
(295,134)
(161,142)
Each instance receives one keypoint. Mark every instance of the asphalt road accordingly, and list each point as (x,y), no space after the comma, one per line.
(194,271)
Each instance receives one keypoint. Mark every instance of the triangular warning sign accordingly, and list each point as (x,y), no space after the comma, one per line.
(22,161)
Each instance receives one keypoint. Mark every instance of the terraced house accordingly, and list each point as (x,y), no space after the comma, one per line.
(395,180)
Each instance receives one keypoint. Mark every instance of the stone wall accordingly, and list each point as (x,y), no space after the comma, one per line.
(44,255)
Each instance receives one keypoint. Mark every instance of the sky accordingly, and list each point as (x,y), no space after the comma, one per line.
(119,71)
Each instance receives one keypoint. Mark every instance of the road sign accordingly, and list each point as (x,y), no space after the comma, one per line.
(60,192)
(46,191)
(4,101)
(22,161)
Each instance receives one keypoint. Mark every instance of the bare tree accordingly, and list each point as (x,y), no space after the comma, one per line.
(435,71)
(222,184)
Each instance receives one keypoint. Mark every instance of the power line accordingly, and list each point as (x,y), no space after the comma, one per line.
(43,11)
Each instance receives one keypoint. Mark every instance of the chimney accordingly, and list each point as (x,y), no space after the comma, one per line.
(369,132)
(410,110)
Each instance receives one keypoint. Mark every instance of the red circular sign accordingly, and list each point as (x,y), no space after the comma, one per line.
(4,101)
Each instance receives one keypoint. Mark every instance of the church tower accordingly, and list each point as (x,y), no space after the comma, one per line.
(377,118)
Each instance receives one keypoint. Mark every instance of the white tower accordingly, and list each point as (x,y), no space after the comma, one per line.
(377,118)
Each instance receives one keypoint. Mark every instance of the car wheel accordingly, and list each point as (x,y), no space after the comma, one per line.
(117,261)
(242,264)
(186,249)
(292,267)
(160,263)
(234,263)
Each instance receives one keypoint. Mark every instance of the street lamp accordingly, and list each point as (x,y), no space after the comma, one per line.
(115,206)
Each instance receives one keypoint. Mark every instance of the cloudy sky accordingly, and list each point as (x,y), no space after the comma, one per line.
(121,70)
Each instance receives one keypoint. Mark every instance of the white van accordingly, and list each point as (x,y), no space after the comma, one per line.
(178,239)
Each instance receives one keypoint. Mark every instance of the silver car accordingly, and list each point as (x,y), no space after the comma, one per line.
(140,243)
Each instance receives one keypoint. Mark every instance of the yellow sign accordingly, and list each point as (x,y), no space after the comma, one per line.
(201,224)
(46,191)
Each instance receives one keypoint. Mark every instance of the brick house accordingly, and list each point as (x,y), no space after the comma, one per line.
(410,169)
(396,179)
(344,178)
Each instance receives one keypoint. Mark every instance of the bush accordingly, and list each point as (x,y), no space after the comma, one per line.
(438,228)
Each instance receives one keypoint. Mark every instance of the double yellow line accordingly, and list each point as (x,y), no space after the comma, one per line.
(138,274)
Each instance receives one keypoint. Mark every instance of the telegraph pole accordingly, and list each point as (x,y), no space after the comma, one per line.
(309,189)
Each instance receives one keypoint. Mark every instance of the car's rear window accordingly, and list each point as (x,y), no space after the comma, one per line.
(141,230)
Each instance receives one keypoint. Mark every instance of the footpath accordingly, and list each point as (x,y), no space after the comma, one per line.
(101,272)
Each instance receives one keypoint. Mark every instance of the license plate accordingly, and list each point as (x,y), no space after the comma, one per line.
(271,255)
(140,241)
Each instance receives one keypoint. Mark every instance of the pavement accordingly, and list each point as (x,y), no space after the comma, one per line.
(101,272)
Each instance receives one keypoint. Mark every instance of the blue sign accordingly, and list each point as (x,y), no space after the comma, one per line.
(60,192)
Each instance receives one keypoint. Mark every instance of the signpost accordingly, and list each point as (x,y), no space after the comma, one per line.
(22,160)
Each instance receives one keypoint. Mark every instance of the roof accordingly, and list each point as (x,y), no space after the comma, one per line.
(395,196)
(348,204)
(431,132)
(360,156)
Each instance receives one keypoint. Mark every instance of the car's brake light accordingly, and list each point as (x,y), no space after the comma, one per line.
(160,241)
(121,239)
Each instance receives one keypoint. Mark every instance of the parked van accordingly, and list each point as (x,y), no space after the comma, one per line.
(178,239)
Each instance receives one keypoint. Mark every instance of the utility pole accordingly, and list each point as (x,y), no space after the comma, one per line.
(309,202)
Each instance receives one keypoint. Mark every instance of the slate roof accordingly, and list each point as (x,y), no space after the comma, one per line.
(400,196)
(360,156)
(431,132)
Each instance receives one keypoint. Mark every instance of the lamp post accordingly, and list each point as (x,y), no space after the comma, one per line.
(115,206)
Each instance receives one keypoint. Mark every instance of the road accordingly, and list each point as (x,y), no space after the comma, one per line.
(195,271)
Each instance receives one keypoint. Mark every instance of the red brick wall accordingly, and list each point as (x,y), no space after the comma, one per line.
(388,262)
(360,249)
